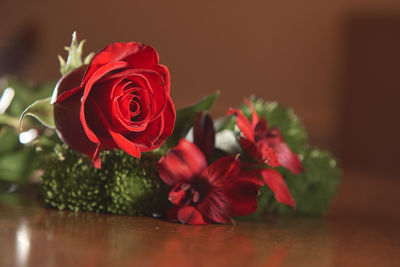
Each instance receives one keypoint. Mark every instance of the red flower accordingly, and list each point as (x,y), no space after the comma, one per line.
(268,146)
(203,194)
(204,134)
(120,100)
(265,144)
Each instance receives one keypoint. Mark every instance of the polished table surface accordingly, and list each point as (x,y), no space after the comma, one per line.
(362,228)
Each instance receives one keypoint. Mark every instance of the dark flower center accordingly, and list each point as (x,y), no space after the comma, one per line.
(191,192)
(133,106)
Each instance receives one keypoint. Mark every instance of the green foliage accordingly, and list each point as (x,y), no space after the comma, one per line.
(124,185)
(25,94)
(314,189)
(17,161)
(7,120)
(41,110)
(185,118)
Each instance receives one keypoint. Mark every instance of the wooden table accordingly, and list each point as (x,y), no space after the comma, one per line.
(361,229)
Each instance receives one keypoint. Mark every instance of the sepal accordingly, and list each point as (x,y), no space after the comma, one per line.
(74,59)
(41,110)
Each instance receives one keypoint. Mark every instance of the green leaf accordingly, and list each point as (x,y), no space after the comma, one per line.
(8,120)
(185,117)
(25,94)
(74,59)
(16,165)
(9,141)
(41,110)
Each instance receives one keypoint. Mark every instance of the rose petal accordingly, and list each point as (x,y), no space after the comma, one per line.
(147,138)
(68,85)
(96,158)
(156,87)
(157,131)
(125,144)
(275,181)
(169,123)
(190,215)
(69,127)
(164,72)
(100,72)
(112,53)
(145,57)
(124,120)
(149,80)
(99,124)
(181,163)
(102,92)
(120,141)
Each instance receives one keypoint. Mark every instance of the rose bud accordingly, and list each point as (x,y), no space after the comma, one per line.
(121,100)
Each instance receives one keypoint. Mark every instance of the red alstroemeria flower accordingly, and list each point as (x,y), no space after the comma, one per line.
(268,147)
(204,194)
(265,144)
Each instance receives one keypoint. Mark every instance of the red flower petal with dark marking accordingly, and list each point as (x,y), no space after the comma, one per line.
(243,124)
(258,140)
(243,193)
(284,154)
(267,154)
(204,193)
(190,215)
(222,169)
(275,181)
(268,147)
(181,163)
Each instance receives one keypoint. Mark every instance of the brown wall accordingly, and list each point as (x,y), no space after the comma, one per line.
(371,93)
(296,52)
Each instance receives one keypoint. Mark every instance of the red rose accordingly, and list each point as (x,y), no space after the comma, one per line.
(120,100)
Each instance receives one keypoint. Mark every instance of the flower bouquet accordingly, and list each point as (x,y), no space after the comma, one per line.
(122,148)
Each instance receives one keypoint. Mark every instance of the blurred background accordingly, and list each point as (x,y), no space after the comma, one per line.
(336,62)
